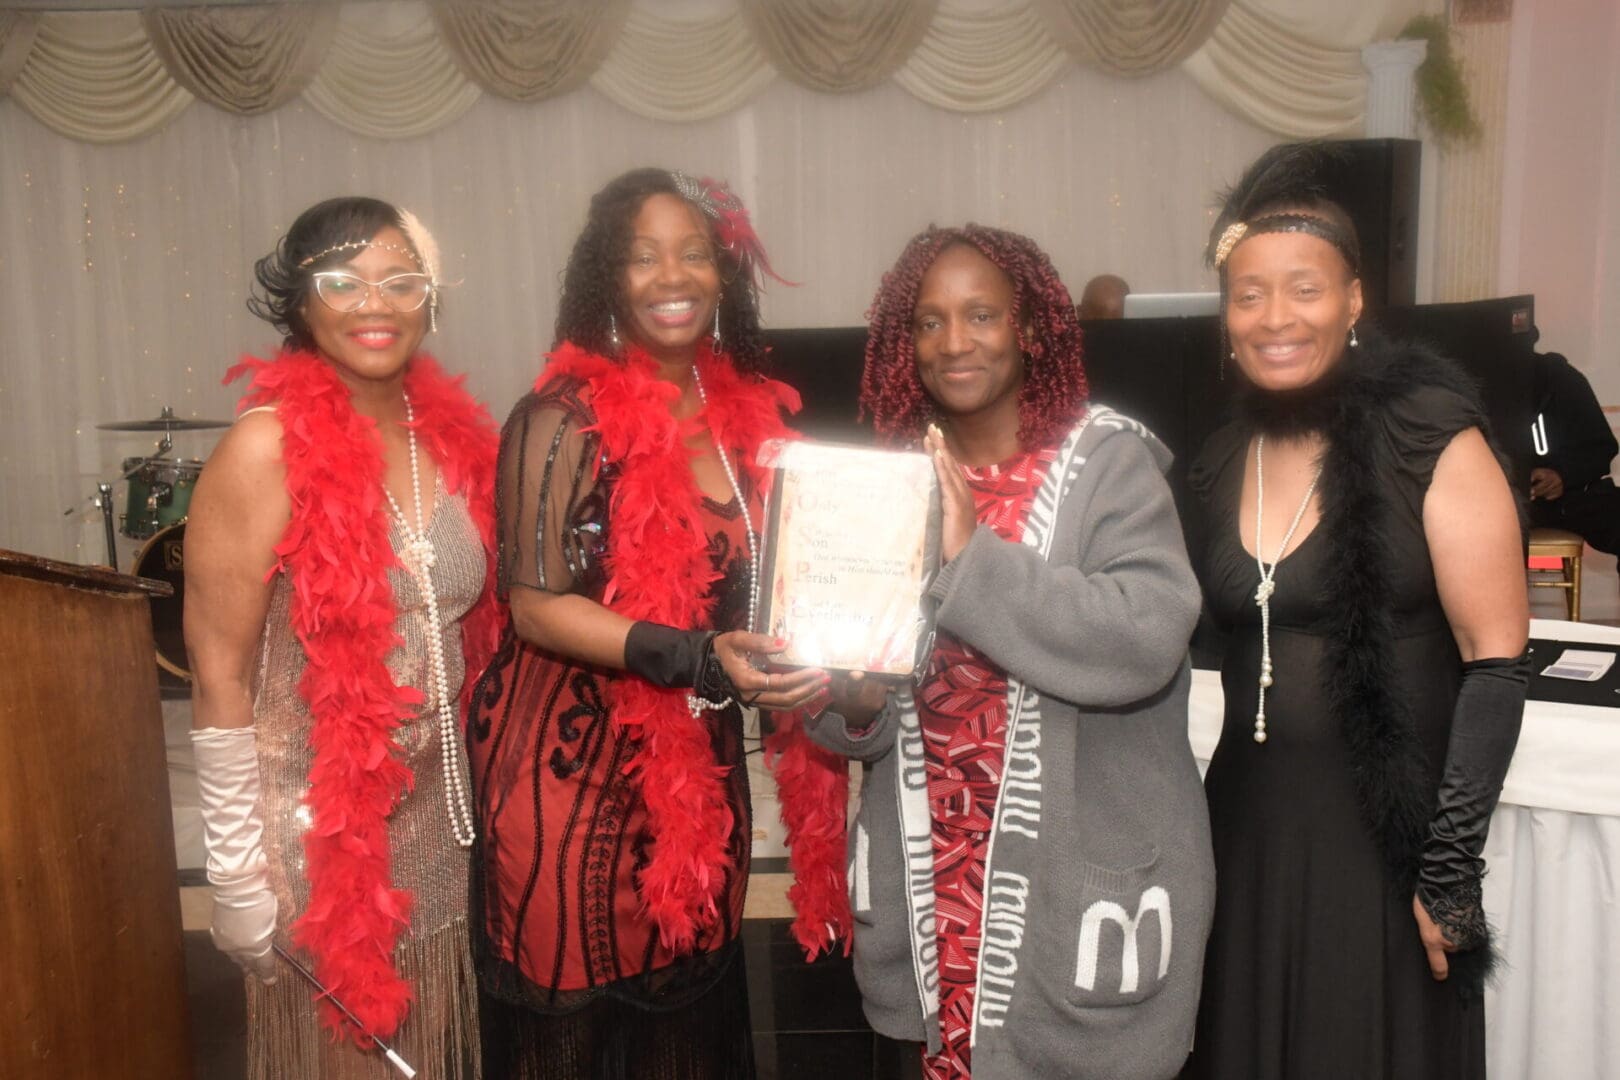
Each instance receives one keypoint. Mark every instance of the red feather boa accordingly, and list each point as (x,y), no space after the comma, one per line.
(658,569)
(337,552)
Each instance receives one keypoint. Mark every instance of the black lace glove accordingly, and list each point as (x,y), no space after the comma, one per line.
(1484,731)
(665,656)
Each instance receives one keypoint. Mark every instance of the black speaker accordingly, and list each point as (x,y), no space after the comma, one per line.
(1377,184)
(1491,340)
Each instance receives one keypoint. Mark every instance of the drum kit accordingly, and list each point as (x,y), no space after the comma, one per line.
(157,500)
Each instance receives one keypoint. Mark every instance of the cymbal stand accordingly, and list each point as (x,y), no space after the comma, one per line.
(105,501)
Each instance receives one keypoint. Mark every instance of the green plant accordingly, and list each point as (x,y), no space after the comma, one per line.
(1442,93)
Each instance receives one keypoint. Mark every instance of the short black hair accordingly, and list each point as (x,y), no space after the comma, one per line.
(283,282)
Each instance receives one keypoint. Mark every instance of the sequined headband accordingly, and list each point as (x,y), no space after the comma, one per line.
(1288,221)
(731,223)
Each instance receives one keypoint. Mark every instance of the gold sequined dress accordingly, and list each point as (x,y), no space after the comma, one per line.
(440,1034)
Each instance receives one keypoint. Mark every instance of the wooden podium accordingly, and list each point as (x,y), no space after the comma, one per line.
(94,970)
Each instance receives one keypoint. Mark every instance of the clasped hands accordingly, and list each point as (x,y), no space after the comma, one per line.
(1546,485)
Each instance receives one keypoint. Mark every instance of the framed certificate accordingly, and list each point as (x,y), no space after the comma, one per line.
(851,545)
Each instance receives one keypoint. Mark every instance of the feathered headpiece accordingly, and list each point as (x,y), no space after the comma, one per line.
(427,254)
(731,224)
(1285,190)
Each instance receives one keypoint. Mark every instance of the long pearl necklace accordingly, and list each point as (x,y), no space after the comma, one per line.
(697,704)
(1268,574)
(419,559)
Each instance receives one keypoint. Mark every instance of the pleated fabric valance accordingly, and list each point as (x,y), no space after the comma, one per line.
(1291,66)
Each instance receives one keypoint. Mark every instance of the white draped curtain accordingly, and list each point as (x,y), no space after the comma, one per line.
(1290,66)
(150,157)
(247,60)
(124,267)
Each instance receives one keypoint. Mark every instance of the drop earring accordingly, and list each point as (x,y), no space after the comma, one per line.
(717,300)
(613,332)
(1353,342)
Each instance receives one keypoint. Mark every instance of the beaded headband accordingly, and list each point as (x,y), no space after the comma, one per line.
(1292,221)
(731,223)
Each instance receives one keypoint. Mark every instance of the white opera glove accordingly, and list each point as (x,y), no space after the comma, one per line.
(244,919)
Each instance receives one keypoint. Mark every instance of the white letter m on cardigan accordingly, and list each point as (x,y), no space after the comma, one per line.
(1085,972)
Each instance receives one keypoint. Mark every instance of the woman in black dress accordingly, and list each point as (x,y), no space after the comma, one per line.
(1356,536)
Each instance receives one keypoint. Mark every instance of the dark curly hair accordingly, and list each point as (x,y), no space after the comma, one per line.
(283,283)
(1055,391)
(1287,183)
(591,281)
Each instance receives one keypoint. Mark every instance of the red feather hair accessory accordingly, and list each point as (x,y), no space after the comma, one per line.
(731,223)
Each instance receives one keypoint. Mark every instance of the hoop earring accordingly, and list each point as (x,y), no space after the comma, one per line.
(1353,341)
(717,300)
(613,332)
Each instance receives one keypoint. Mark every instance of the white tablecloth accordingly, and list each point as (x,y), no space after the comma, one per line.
(1553,887)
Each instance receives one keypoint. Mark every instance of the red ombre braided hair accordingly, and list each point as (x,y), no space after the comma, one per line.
(1055,390)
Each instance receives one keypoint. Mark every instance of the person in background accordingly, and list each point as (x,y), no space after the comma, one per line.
(1104,297)
(1032,878)
(1356,536)
(339,573)
(1569,485)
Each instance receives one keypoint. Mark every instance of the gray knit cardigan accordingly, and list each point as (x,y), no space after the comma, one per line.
(1099,879)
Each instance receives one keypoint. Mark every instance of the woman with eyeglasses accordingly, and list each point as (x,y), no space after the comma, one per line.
(338,565)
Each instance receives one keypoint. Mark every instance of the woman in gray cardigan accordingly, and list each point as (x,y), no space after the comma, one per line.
(1030,871)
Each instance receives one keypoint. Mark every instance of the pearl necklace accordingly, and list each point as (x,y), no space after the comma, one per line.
(697,704)
(419,559)
(1268,575)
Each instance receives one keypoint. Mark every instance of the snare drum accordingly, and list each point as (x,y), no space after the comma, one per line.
(163,558)
(159,494)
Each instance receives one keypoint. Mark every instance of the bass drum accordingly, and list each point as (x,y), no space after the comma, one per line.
(162,558)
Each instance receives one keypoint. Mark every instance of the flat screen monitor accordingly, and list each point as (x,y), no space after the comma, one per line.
(1161,305)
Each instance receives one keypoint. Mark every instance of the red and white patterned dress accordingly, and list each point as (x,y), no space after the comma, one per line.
(962,705)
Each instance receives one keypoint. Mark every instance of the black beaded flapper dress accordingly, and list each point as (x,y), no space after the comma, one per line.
(1315,969)
(577,982)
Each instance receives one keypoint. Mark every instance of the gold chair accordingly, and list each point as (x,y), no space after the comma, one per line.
(1566,548)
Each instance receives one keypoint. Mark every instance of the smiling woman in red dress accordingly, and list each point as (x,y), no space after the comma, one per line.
(607,735)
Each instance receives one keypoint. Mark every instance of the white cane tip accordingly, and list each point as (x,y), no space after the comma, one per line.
(399,1063)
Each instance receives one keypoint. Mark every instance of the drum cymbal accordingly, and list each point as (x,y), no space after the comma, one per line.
(164,421)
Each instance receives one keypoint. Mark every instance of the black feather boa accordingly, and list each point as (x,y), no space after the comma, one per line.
(1396,797)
